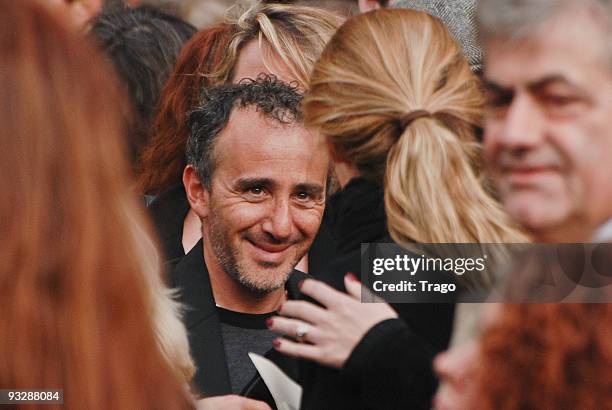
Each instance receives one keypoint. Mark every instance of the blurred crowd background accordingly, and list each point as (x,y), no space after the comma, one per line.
(187,181)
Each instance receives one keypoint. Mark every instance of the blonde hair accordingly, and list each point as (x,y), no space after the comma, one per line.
(379,68)
(297,34)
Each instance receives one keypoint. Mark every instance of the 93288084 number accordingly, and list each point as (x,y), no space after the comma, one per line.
(13,396)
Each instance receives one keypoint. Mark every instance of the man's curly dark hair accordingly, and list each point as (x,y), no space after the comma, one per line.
(271,97)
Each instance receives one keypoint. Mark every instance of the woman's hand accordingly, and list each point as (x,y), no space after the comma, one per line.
(327,335)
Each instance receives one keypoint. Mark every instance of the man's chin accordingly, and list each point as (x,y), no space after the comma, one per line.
(265,277)
(536,218)
(260,289)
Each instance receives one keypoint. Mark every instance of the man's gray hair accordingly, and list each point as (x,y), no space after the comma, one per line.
(459,17)
(515,19)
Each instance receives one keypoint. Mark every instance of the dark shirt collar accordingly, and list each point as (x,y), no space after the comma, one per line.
(244,320)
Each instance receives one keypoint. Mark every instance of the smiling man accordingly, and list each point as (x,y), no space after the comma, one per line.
(549,129)
(257,179)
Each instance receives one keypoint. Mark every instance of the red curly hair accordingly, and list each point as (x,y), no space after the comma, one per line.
(548,356)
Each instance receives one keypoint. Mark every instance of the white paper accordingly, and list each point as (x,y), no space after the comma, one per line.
(287,394)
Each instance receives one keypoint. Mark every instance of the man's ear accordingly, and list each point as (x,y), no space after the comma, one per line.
(197,194)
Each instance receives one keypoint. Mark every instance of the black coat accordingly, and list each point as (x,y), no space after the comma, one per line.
(391,366)
(170,209)
(191,278)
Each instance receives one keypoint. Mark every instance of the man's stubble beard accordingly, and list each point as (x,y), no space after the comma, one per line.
(228,258)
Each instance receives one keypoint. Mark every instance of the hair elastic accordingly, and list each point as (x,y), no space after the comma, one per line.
(407,119)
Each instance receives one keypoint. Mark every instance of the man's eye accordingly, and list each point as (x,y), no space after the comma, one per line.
(559,100)
(303,196)
(561,105)
(257,191)
(498,100)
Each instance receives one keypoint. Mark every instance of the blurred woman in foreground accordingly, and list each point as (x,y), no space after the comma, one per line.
(78,275)
(399,106)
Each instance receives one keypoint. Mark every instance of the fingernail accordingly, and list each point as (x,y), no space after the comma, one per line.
(280,308)
(300,284)
(269,322)
(351,276)
(276,343)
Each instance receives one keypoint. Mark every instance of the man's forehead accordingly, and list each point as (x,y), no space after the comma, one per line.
(254,146)
(570,47)
(533,83)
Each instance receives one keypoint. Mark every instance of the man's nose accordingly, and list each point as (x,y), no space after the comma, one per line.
(442,364)
(279,223)
(521,128)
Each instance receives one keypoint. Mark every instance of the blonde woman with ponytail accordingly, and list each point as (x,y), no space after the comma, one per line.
(398,101)
(399,106)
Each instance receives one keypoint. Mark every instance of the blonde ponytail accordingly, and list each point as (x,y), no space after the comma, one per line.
(434,195)
(394,96)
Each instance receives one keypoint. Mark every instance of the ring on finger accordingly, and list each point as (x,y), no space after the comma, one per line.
(301,332)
